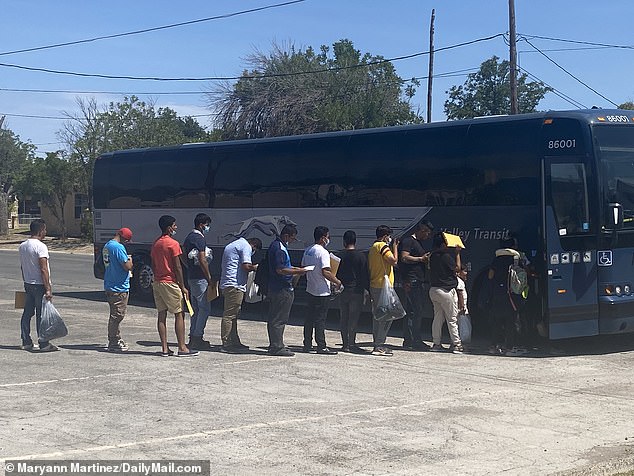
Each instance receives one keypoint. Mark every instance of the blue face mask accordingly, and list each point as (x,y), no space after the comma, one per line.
(206,229)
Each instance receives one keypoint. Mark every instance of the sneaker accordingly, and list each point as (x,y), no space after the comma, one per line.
(355,349)
(229,349)
(189,353)
(437,348)
(382,351)
(48,348)
(198,343)
(326,351)
(516,351)
(345,349)
(456,349)
(28,347)
(307,350)
(119,346)
(284,352)
(408,346)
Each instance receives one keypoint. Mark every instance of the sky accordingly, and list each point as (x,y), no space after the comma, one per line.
(584,75)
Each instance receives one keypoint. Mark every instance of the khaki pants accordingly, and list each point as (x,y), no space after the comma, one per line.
(229,324)
(445,309)
(118,303)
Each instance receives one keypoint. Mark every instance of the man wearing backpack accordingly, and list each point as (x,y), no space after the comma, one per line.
(504,303)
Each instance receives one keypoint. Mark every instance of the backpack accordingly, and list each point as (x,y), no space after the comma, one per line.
(518,280)
(262,276)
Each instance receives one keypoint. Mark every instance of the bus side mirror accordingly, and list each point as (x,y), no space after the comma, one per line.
(615,216)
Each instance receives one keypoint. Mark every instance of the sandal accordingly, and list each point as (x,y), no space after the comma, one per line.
(169,353)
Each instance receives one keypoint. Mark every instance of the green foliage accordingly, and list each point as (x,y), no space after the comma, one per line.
(123,125)
(51,180)
(291,91)
(629,105)
(13,156)
(488,92)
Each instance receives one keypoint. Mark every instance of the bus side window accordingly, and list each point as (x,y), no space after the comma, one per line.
(569,193)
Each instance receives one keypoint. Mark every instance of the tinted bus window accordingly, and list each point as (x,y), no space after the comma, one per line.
(191,177)
(569,190)
(155,183)
(503,164)
(231,175)
(124,177)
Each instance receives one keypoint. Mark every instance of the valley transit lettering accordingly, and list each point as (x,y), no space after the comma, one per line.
(478,233)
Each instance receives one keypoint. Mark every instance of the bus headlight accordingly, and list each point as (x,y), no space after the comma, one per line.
(626,289)
(618,290)
(608,290)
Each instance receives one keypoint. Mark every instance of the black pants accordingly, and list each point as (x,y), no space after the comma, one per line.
(413,298)
(503,320)
(350,307)
(316,315)
(279,312)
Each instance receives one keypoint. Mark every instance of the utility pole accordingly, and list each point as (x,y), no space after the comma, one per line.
(430,76)
(513,58)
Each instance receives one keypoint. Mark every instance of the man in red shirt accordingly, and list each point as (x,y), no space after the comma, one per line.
(169,286)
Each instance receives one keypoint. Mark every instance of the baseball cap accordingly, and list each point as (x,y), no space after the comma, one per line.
(125,233)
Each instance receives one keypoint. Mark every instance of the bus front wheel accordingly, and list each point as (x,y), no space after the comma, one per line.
(142,277)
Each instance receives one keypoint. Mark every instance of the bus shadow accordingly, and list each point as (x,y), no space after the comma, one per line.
(95,296)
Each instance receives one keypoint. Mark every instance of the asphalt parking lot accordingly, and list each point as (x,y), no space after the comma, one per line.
(565,409)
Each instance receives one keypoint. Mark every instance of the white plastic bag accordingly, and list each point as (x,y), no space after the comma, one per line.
(388,307)
(464,327)
(252,295)
(52,326)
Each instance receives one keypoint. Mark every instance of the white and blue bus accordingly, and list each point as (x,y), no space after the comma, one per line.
(561,182)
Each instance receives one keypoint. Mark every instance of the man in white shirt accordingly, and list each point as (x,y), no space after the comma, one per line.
(37,284)
(236,265)
(318,288)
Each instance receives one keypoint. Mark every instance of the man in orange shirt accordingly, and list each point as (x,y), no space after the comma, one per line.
(168,286)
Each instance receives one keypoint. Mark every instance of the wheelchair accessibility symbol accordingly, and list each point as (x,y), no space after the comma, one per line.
(604,258)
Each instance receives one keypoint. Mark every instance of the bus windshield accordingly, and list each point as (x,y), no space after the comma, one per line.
(616,157)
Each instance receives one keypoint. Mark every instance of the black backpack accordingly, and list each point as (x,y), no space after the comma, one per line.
(262,276)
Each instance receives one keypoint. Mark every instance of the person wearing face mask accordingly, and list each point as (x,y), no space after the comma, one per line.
(282,275)
(382,257)
(318,288)
(169,286)
(236,265)
(198,278)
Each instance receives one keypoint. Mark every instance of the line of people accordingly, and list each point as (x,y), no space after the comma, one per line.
(436,274)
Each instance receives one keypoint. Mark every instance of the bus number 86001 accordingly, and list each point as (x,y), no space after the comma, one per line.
(562,144)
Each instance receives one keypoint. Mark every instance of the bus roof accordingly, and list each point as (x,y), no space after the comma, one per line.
(589,116)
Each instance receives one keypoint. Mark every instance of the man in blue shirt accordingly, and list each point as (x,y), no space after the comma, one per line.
(281,293)
(236,264)
(116,283)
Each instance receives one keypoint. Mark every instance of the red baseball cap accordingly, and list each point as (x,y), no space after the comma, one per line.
(125,233)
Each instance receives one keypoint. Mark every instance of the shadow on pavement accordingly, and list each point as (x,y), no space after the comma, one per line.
(102,348)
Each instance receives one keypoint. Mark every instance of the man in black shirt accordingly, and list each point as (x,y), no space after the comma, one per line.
(413,261)
(353,274)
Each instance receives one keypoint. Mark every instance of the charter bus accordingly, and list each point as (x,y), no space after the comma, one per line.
(561,182)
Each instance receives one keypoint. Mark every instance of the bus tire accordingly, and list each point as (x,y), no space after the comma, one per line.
(142,278)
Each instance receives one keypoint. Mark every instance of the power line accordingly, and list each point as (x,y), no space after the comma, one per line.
(590,43)
(448,74)
(569,73)
(146,30)
(260,76)
(555,91)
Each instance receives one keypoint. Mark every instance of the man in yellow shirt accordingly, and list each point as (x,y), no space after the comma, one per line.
(382,257)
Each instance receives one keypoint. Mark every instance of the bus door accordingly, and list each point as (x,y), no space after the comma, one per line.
(571,244)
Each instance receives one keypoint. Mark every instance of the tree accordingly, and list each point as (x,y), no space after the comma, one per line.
(627,105)
(132,123)
(51,180)
(488,92)
(289,91)
(13,156)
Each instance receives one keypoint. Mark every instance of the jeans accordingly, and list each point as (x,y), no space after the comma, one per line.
(279,312)
(118,303)
(445,309)
(32,305)
(413,299)
(316,316)
(200,305)
(350,307)
(380,329)
(229,324)
(504,321)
